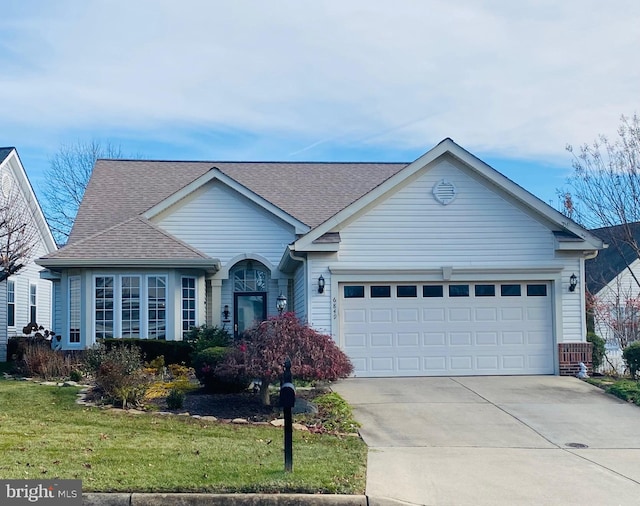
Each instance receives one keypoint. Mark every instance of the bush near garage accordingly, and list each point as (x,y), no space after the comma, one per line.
(314,356)
(631,355)
(598,350)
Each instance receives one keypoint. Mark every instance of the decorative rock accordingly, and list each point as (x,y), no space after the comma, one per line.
(70,384)
(209,418)
(299,426)
(304,406)
(240,421)
(278,422)
(135,412)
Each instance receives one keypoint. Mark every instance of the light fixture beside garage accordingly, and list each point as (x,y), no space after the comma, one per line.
(320,284)
(573,282)
(281,303)
(444,192)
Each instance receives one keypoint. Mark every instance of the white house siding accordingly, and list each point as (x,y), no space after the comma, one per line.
(299,293)
(320,303)
(223,224)
(479,236)
(4,335)
(411,229)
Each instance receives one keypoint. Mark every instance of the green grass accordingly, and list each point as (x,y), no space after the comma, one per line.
(45,434)
(625,389)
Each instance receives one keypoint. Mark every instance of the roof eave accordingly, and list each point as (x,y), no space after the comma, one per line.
(211,265)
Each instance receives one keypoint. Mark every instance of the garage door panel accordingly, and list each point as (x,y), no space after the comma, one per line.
(460,338)
(409,365)
(462,314)
(408,339)
(484,331)
(487,363)
(381,315)
(486,314)
(463,364)
(487,338)
(435,339)
(381,340)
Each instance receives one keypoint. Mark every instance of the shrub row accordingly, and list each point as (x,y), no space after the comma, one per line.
(174,352)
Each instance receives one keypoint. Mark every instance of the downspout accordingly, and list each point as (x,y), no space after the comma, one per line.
(303,260)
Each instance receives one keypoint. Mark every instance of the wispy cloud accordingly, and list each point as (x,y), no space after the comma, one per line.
(517,79)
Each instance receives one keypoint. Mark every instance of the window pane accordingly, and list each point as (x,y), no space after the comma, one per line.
(458,290)
(433,291)
(188,304)
(537,290)
(74,309)
(156,301)
(407,291)
(354,292)
(510,290)
(380,291)
(130,306)
(485,290)
(103,292)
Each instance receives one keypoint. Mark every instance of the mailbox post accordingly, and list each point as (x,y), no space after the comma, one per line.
(287,401)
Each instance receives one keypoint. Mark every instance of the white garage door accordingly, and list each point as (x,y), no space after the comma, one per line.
(404,329)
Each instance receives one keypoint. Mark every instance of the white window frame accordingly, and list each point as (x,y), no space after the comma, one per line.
(94,308)
(191,322)
(149,308)
(75,311)
(33,303)
(119,323)
(11,301)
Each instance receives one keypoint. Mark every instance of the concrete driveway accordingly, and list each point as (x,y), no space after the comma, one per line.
(516,440)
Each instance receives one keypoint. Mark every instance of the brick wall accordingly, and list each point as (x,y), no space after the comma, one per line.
(571,354)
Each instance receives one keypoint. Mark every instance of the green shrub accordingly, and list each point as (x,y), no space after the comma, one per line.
(204,337)
(336,414)
(631,355)
(626,390)
(175,399)
(174,352)
(598,350)
(118,373)
(75,375)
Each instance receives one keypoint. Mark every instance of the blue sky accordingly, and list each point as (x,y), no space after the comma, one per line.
(328,80)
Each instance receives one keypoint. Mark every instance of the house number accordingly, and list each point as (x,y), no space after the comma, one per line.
(335,309)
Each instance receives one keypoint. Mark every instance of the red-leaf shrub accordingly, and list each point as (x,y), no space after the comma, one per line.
(314,356)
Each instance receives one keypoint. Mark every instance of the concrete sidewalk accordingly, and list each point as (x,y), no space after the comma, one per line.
(497,441)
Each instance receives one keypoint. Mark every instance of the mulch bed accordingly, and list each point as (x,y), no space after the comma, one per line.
(245,405)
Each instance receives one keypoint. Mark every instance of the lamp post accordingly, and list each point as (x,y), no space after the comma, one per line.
(281,303)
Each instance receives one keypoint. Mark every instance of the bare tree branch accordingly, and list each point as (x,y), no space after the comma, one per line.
(67,178)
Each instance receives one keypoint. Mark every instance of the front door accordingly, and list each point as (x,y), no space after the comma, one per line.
(250,309)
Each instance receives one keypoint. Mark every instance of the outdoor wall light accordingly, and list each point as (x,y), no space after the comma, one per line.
(320,284)
(225,313)
(281,303)
(573,282)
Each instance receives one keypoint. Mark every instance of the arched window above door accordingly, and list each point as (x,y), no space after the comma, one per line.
(248,277)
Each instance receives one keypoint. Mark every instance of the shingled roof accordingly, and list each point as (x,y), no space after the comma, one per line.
(611,261)
(121,191)
(4,152)
(310,192)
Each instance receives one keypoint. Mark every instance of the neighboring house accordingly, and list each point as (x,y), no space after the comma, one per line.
(24,297)
(613,281)
(438,267)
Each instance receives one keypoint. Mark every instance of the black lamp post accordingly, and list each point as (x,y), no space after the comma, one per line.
(281,303)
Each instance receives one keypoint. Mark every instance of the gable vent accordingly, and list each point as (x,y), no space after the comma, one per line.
(444,192)
(7,184)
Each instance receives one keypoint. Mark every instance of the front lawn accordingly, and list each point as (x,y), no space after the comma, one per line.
(45,434)
(625,389)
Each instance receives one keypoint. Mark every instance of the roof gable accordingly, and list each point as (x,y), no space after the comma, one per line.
(308,192)
(449,148)
(10,160)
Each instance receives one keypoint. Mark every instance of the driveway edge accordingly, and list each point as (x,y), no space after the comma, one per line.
(135,499)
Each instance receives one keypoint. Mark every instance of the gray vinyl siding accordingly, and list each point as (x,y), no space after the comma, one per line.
(223,224)
(299,293)
(479,229)
(4,335)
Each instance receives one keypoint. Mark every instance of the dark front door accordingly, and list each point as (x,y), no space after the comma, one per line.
(250,309)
